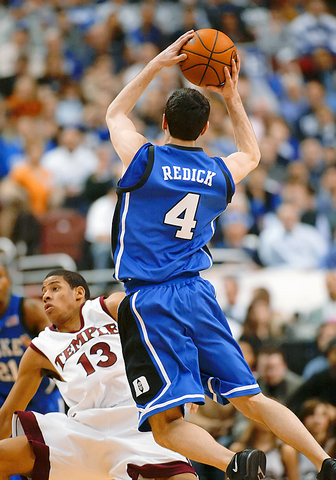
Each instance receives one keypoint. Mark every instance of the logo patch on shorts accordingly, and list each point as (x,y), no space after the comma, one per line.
(140,386)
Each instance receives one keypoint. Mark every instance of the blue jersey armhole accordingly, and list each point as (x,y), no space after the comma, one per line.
(135,170)
(230,185)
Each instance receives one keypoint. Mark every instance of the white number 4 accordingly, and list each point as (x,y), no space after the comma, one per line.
(182,215)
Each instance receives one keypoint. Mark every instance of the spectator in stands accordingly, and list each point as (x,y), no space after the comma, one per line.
(327,193)
(34,178)
(56,72)
(99,183)
(75,48)
(317,416)
(329,260)
(11,50)
(193,18)
(314,28)
(274,377)
(321,385)
(311,153)
(230,20)
(23,101)
(259,325)
(308,123)
(69,110)
(71,163)
(250,348)
(287,145)
(327,311)
(274,164)
(98,228)
(292,97)
(263,196)
(233,308)
(148,31)
(287,242)
(117,45)
(325,334)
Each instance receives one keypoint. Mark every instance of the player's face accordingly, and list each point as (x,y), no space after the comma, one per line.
(5,289)
(61,302)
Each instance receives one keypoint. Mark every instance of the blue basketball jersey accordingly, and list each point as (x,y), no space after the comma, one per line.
(168,201)
(12,328)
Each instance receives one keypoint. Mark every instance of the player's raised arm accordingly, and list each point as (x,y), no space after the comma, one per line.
(248,156)
(125,139)
(24,388)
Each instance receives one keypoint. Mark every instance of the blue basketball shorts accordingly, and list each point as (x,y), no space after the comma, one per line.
(178,346)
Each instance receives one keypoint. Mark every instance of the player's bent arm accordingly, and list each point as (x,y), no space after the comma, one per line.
(248,155)
(29,378)
(112,303)
(35,316)
(123,134)
(247,158)
(125,139)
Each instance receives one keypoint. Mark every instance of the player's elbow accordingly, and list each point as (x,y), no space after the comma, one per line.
(255,157)
(109,113)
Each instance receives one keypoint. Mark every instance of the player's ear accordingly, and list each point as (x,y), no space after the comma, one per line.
(80,292)
(164,123)
(205,128)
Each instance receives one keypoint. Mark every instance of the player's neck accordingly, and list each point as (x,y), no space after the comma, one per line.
(177,141)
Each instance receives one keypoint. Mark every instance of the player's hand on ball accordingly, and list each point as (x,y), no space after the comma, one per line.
(229,86)
(170,56)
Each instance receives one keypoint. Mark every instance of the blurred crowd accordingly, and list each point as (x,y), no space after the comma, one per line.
(61,64)
(63,61)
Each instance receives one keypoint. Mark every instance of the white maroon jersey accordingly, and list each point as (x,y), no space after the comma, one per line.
(89,360)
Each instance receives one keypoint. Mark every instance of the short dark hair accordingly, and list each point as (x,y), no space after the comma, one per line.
(309,406)
(187,112)
(74,279)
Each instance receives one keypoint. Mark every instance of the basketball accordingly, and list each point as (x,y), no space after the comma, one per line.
(209,51)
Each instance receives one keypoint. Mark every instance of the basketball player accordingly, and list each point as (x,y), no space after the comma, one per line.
(20,319)
(176,341)
(98,439)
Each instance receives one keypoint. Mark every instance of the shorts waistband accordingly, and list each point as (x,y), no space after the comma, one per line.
(133,285)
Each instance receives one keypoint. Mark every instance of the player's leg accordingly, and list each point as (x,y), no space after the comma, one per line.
(170,430)
(16,457)
(283,423)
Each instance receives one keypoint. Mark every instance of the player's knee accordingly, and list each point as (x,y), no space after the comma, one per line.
(249,405)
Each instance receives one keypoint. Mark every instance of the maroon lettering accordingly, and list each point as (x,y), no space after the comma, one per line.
(78,342)
(68,352)
(112,328)
(89,333)
(58,361)
(83,338)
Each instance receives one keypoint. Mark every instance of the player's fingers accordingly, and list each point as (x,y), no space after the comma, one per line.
(184,38)
(234,70)
(182,56)
(238,63)
(227,75)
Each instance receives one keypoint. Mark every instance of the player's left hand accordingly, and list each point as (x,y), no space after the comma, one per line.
(229,87)
(171,56)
